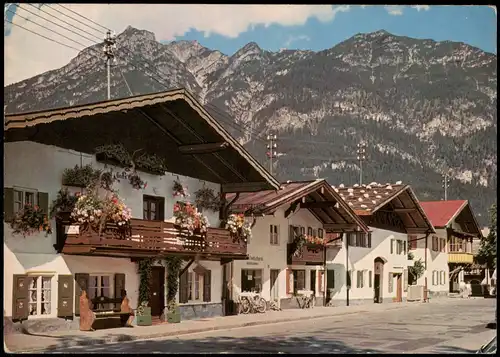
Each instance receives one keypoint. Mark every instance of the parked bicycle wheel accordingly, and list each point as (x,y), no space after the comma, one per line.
(245,306)
(261,305)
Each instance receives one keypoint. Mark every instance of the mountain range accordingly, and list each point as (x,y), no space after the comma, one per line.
(423,108)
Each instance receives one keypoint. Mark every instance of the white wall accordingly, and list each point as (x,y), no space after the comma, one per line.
(274,256)
(362,259)
(436,261)
(37,166)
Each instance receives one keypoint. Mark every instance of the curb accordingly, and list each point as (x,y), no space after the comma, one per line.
(128,338)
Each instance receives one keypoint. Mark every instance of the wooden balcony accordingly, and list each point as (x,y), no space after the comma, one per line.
(310,254)
(460,258)
(149,239)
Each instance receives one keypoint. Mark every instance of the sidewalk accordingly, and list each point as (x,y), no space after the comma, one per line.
(51,341)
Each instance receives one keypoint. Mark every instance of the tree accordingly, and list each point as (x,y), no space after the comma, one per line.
(487,253)
(415,271)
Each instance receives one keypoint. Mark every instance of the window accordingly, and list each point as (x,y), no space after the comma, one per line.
(293,232)
(320,233)
(302,230)
(390,282)
(195,283)
(299,280)
(435,243)
(40,294)
(360,239)
(273,234)
(315,232)
(370,279)
(153,208)
(400,246)
(442,245)
(434,277)
(251,280)
(352,239)
(309,231)
(360,280)
(442,278)
(412,242)
(24,197)
(99,285)
(392,246)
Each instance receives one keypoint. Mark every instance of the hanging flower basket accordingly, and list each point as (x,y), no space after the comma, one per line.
(188,218)
(80,176)
(178,190)
(30,220)
(63,205)
(136,181)
(238,227)
(207,199)
(304,240)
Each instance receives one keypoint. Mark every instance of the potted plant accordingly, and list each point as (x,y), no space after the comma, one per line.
(80,176)
(178,190)
(63,205)
(143,317)
(238,227)
(207,199)
(188,218)
(151,164)
(136,182)
(30,220)
(173,313)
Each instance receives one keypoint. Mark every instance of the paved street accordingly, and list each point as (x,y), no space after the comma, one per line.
(448,326)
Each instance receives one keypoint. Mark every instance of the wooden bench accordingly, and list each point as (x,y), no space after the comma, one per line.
(105,307)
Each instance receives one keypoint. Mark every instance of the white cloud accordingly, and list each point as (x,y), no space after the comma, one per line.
(395,10)
(421,7)
(27,54)
(292,39)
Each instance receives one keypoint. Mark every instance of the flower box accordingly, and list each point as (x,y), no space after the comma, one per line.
(174,317)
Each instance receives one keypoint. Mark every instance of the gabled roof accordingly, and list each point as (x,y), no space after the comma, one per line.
(365,200)
(171,124)
(443,213)
(317,196)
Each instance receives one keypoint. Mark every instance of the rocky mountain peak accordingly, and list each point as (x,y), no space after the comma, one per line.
(132,34)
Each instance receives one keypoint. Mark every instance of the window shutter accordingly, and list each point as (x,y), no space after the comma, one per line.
(320,232)
(82,283)
(8,204)
(291,233)
(289,281)
(330,279)
(183,288)
(119,284)
(20,297)
(404,247)
(43,202)
(65,288)
(390,281)
(369,240)
(405,280)
(370,279)
(321,276)
(392,246)
(207,286)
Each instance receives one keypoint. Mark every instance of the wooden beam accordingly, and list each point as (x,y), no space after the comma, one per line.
(186,267)
(244,187)
(405,210)
(202,148)
(324,204)
(416,230)
(339,227)
(292,208)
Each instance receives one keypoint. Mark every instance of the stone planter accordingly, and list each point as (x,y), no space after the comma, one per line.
(174,317)
(145,318)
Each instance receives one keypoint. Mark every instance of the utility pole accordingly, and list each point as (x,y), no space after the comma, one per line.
(361,152)
(109,47)
(445,184)
(271,147)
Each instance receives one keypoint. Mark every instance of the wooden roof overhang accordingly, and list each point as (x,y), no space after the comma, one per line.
(316,196)
(390,207)
(172,125)
(464,224)
(405,204)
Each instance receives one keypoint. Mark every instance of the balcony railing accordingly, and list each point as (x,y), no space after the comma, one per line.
(149,238)
(308,254)
(464,258)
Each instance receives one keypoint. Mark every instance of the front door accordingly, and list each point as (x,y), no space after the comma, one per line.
(313,281)
(376,288)
(399,288)
(274,284)
(157,291)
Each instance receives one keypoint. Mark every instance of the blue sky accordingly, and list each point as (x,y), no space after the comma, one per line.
(474,25)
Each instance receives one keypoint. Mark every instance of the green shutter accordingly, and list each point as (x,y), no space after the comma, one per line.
(392,246)
(43,201)
(20,297)
(207,286)
(8,204)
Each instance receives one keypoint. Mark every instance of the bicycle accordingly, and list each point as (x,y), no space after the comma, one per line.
(254,303)
(273,305)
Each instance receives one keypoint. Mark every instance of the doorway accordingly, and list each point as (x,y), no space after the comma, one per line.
(274,274)
(378,269)
(399,288)
(157,291)
(313,281)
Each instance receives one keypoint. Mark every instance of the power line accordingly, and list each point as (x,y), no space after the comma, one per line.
(86,18)
(48,13)
(52,22)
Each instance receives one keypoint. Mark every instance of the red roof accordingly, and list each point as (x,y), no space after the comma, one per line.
(441,212)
